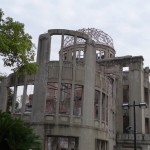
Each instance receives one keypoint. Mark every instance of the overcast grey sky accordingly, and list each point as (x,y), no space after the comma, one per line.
(126,21)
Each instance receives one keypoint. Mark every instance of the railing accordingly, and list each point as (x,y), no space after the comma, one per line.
(129,138)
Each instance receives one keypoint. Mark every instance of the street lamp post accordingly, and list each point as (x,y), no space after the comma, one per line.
(127,106)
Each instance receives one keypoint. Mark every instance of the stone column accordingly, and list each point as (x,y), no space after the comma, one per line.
(106,53)
(60,79)
(89,84)
(73,79)
(3,95)
(40,87)
(119,102)
(136,93)
(14,97)
(24,96)
(87,140)
(100,102)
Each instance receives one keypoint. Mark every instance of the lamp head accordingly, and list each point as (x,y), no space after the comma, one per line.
(143,104)
(125,106)
(129,128)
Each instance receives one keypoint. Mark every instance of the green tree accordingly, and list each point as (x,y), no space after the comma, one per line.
(16,46)
(16,135)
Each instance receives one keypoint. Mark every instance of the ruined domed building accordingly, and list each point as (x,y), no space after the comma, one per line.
(75,103)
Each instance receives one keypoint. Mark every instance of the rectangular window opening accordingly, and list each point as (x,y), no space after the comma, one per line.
(55,47)
(81,54)
(102,54)
(62,143)
(111,55)
(125,69)
(78,98)
(146,97)
(65,98)
(51,98)
(19,99)
(101,144)
(106,110)
(126,128)
(96,104)
(29,98)
(125,93)
(103,107)
(147,125)
(65,56)
(77,54)
(98,55)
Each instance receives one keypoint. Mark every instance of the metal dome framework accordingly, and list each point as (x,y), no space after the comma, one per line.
(97,35)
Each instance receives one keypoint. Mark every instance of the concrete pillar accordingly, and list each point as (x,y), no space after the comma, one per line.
(119,102)
(40,88)
(88,102)
(106,53)
(3,95)
(106,107)
(101,104)
(60,78)
(87,140)
(39,130)
(24,96)
(114,104)
(14,96)
(89,84)
(69,55)
(73,79)
(136,93)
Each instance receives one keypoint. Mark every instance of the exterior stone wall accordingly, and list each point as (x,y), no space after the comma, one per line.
(75,103)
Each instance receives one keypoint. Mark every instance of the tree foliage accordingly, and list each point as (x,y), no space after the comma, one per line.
(16,135)
(16,46)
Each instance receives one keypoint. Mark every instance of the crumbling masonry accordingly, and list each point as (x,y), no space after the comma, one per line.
(75,103)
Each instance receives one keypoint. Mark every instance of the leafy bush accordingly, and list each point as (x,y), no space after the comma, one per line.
(16,135)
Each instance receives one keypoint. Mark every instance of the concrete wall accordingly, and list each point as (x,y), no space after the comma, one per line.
(105,75)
